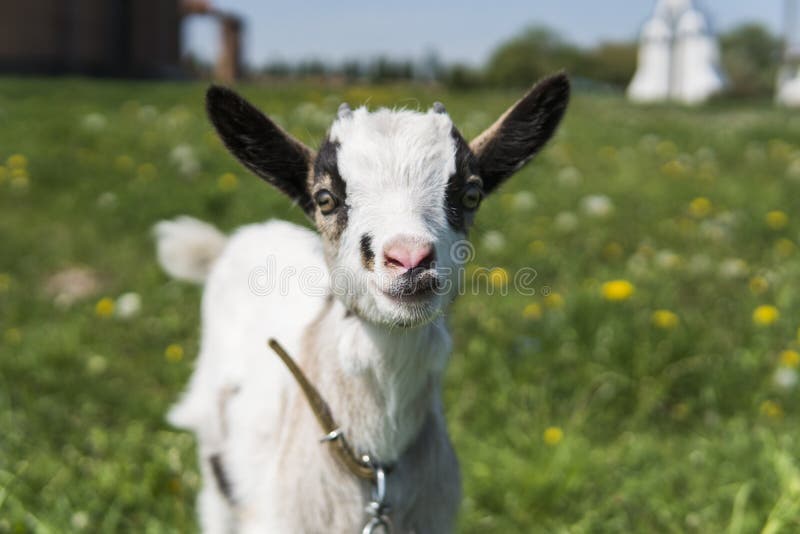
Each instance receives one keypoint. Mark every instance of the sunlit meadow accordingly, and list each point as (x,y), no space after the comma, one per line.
(649,385)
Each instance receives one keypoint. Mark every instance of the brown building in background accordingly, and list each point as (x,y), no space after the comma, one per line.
(121,38)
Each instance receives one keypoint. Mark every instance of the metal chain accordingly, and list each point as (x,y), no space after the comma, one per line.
(378,508)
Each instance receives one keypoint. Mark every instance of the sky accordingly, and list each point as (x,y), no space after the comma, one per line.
(458,30)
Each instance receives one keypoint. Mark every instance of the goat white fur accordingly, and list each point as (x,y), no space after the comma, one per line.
(375,348)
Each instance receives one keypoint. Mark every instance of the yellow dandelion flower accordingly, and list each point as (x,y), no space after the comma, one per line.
(680,411)
(790,358)
(617,290)
(765,315)
(665,319)
(776,219)
(498,277)
(104,307)
(771,409)
(537,247)
(785,247)
(227,182)
(554,300)
(174,353)
(532,311)
(20,182)
(666,149)
(5,282)
(553,435)
(146,171)
(674,168)
(174,485)
(13,336)
(124,163)
(612,251)
(758,285)
(700,207)
(493,324)
(608,152)
(17,161)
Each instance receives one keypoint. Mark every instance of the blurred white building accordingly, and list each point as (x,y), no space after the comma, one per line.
(678,56)
(787,91)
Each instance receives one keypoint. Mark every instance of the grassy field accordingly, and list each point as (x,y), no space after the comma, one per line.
(664,401)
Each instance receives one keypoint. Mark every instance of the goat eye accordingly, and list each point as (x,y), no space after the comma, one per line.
(471,198)
(326,201)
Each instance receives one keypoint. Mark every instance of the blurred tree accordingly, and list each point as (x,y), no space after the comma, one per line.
(751,56)
(352,69)
(461,76)
(611,63)
(311,67)
(385,69)
(277,68)
(534,53)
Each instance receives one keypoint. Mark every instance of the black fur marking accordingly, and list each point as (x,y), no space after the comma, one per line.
(260,145)
(326,176)
(367,254)
(221,477)
(523,131)
(327,163)
(466,166)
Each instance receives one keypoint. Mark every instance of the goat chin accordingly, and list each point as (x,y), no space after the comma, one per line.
(187,248)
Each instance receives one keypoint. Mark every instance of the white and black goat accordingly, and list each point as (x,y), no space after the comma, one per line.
(390,193)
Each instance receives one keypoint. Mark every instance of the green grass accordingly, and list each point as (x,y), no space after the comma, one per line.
(681,429)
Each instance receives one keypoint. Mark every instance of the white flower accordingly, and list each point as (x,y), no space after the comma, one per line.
(184,157)
(569,177)
(494,241)
(128,305)
(147,113)
(733,268)
(80,520)
(96,364)
(638,265)
(309,114)
(524,201)
(95,122)
(599,206)
(107,200)
(566,221)
(667,259)
(181,152)
(700,264)
(785,377)
(793,170)
(714,231)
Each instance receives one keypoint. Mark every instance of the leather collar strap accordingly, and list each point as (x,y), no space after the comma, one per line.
(358,466)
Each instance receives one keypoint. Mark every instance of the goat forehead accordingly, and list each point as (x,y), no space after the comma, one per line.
(394,150)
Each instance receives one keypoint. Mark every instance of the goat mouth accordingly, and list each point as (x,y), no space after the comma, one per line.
(412,287)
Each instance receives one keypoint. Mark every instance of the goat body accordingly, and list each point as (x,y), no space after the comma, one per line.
(391,193)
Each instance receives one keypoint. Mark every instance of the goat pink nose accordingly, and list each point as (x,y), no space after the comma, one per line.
(407,255)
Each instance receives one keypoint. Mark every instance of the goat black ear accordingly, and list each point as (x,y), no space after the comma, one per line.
(261,145)
(521,131)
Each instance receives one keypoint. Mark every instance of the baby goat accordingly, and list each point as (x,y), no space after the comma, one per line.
(391,193)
